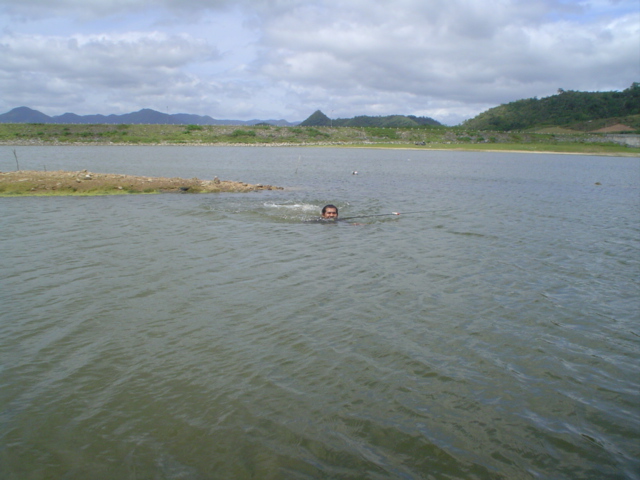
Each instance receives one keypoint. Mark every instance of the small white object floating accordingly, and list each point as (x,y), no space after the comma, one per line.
(355,172)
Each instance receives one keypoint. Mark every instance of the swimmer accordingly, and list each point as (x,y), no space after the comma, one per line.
(330,212)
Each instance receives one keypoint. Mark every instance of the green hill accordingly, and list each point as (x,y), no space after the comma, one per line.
(319,119)
(564,109)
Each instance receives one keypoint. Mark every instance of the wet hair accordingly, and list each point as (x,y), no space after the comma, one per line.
(324,209)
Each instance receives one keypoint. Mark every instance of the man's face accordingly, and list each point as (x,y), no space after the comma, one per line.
(330,213)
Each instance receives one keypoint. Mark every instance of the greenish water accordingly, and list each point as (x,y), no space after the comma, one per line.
(225,336)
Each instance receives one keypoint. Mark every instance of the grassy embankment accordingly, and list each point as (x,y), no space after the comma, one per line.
(419,138)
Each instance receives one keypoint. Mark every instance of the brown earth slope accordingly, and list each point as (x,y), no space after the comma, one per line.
(618,127)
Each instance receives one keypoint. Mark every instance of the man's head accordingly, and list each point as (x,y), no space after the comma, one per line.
(330,211)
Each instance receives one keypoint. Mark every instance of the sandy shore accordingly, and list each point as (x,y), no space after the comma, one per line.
(28,182)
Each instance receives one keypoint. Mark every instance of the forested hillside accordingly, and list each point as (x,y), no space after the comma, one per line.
(564,109)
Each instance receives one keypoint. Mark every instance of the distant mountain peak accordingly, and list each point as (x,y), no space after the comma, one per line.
(317,119)
(24,115)
(23,109)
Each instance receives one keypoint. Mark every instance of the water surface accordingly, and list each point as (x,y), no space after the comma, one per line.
(494,335)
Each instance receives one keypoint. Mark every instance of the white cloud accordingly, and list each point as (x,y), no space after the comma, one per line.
(285,58)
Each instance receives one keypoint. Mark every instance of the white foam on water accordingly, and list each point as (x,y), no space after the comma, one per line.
(304,207)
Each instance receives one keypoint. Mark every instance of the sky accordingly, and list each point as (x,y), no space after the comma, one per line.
(284,59)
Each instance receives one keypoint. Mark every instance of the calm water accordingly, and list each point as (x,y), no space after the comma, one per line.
(494,336)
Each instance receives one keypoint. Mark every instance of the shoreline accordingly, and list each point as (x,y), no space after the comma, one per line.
(23,183)
(482,150)
(372,145)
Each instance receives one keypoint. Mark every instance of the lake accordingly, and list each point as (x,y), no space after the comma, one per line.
(492,334)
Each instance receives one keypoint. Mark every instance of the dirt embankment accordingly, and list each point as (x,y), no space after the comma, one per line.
(26,182)
(618,127)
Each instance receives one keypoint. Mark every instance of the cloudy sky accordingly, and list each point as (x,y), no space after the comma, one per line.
(272,59)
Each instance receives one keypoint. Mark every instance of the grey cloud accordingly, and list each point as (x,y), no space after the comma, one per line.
(87,9)
(461,52)
(103,58)
(131,64)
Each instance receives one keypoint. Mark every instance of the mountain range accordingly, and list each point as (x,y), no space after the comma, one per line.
(145,116)
(580,111)
(152,117)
